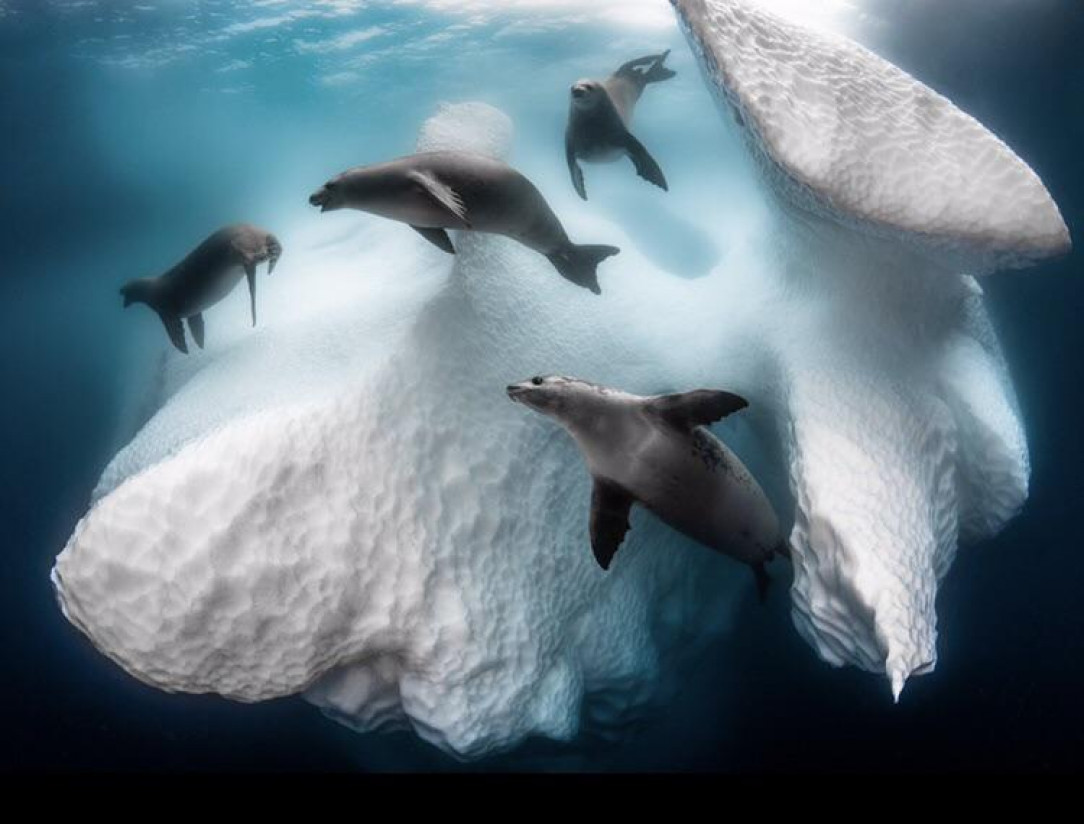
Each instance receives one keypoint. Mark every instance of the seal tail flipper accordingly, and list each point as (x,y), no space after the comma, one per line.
(579,264)
(175,330)
(655,73)
(764,581)
(250,274)
(438,237)
(658,72)
(645,164)
(274,252)
(195,325)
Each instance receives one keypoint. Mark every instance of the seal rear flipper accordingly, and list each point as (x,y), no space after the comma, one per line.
(443,196)
(438,237)
(175,330)
(697,408)
(610,506)
(656,72)
(764,581)
(195,325)
(579,264)
(645,164)
(574,168)
(250,275)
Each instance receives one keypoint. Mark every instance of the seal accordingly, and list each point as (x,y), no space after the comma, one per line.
(206,275)
(655,451)
(436,191)
(599,116)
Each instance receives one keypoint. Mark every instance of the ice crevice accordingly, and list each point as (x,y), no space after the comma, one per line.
(342,504)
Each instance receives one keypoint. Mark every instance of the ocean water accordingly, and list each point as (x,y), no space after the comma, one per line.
(133,129)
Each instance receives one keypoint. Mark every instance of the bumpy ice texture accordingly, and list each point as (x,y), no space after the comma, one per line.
(406,547)
(898,415)
(855,137)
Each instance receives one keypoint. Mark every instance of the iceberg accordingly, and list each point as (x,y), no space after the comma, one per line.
(402,546)
(898,416)
(343,505)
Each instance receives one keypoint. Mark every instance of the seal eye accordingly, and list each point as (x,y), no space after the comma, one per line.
(536,381)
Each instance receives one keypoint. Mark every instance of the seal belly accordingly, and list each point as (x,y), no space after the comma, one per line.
(509,204)
(598,134)
(208,292)
(703,490)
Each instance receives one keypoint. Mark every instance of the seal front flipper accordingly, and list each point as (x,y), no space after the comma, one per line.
(195,324)
(250,274)
(574,168)
(438,237)
(175,330)
(443,196)
(697,408)
(645,164)
(579,264)
(274,252)
(610,506)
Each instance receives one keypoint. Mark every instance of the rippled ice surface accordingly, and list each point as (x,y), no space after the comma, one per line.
(175,118)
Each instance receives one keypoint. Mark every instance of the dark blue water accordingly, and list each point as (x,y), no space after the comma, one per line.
(79,211)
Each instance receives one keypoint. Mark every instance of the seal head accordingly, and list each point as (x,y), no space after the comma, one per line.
(556,396)
(328,197)
(587,94)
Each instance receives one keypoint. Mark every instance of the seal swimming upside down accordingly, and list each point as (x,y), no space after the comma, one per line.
(599,116)
(436,191)
(204,277)
(656,452)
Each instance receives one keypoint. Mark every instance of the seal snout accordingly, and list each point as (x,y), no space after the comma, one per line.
(515,391)
(321,197)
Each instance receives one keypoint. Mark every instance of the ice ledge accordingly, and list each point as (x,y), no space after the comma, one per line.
(898,417)
(844,133)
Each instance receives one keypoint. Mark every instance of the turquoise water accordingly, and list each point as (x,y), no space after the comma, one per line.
(133,129)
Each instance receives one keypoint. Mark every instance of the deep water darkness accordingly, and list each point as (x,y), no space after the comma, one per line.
(1005,695)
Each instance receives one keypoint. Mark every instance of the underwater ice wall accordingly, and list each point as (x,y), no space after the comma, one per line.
(899,419)
(343,504)
(405,546)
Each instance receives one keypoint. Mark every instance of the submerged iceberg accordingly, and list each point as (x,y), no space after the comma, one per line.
(343,504)
(405,547)
(899,418)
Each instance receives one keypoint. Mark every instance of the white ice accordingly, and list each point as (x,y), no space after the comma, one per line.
(342,503)
(898,415)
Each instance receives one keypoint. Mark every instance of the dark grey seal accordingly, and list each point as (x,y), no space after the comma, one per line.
(203,278)
(435,191)
(599,117)
(656,452)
